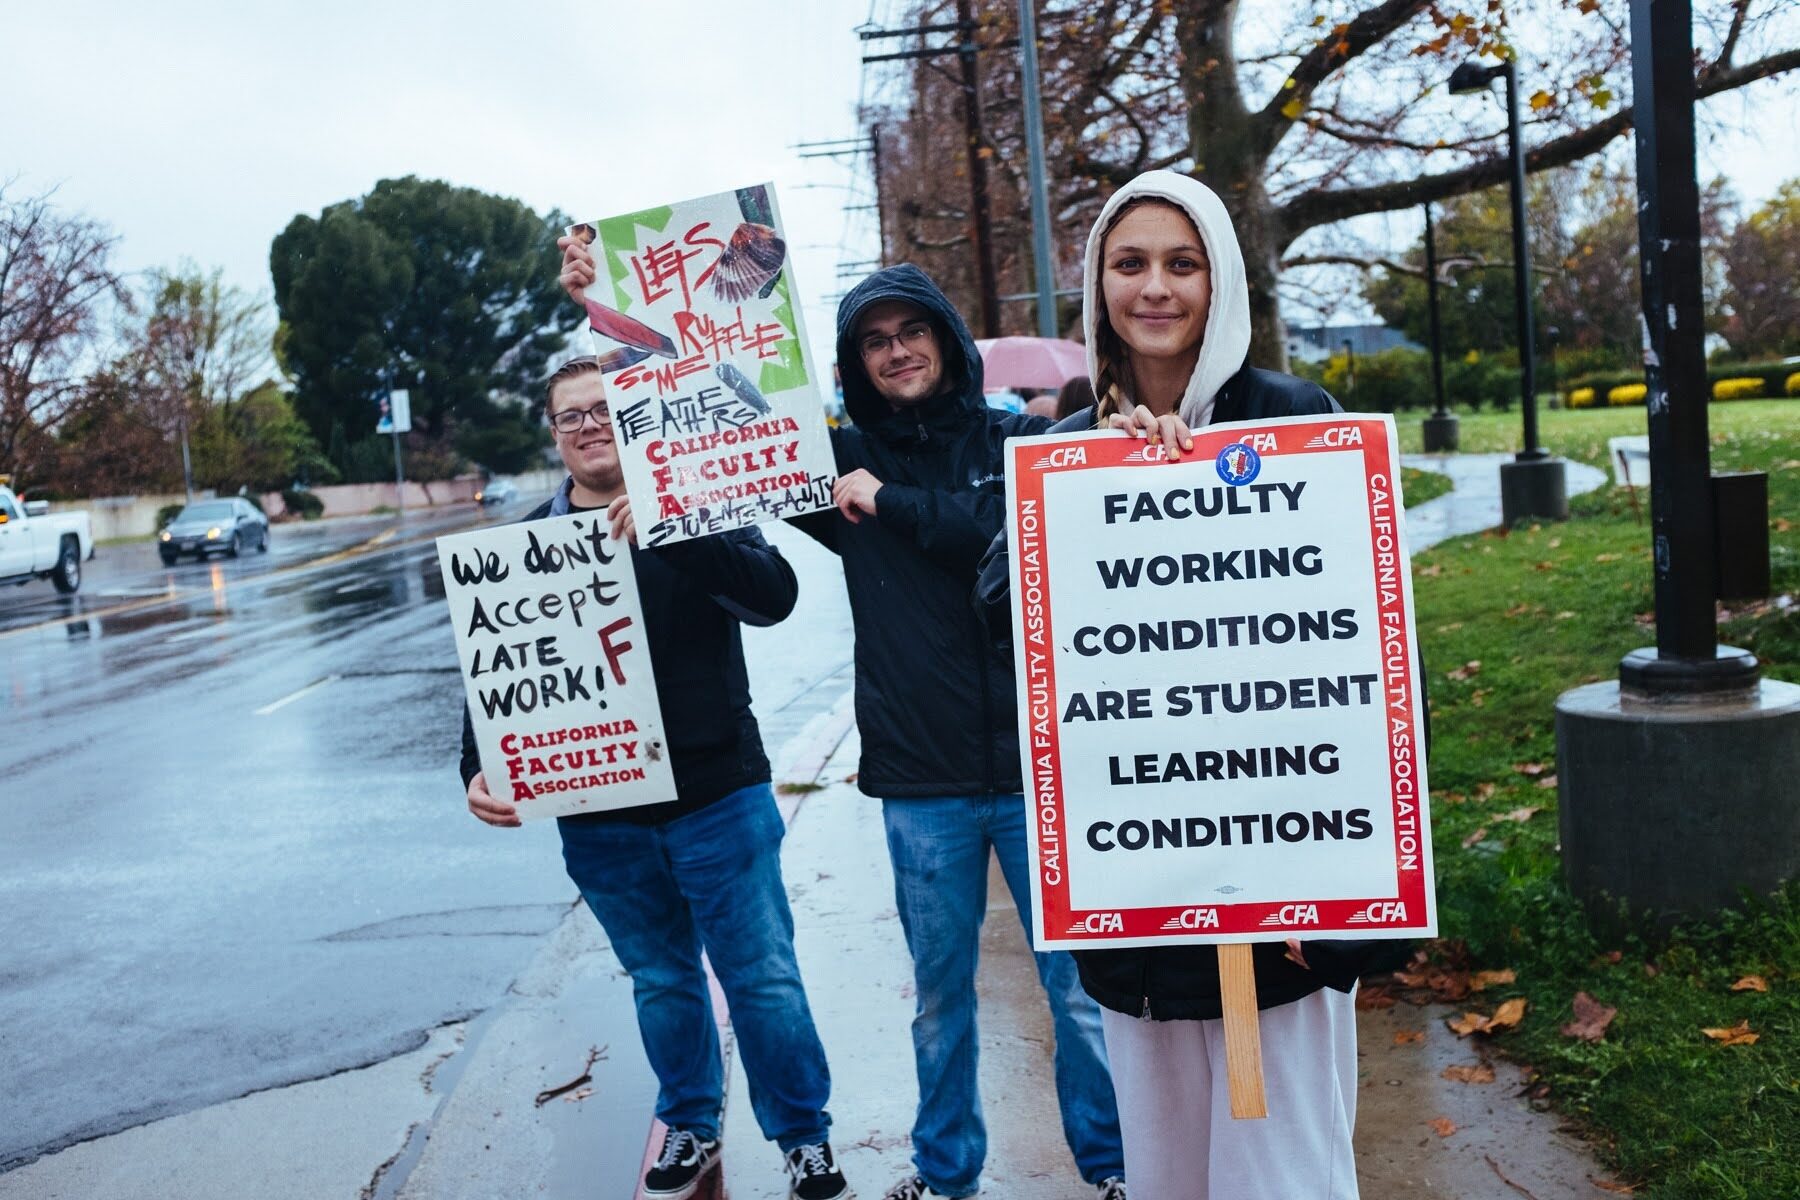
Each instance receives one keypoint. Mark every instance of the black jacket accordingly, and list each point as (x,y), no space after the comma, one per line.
(1172,983)
(694,595)
(934,697)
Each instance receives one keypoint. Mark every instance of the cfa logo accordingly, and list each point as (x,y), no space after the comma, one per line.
(1153,452)
(1337,437)
(1380,912)
(1293,914)
(1066,456)
(1262,443)
(1194,918)
(1099,922)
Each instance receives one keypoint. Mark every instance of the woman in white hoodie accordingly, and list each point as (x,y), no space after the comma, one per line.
(1167,317)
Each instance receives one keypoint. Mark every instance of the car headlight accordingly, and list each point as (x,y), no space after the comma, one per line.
(167,536)
(213,533)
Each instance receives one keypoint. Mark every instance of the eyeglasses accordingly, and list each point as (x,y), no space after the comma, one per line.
(571,419)
(913,337)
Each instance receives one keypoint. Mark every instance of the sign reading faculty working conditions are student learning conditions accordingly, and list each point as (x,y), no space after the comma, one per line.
(556,666)
(1220,719)
(714,398)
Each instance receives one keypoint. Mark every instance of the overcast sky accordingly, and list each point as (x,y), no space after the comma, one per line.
(197,130)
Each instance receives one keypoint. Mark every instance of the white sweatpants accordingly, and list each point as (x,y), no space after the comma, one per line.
(1181,1142)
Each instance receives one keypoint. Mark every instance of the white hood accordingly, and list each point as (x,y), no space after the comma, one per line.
(1227,340)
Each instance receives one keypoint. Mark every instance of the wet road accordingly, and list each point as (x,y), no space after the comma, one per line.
(236,853)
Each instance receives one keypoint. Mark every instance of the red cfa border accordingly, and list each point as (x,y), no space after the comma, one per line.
(1368,916)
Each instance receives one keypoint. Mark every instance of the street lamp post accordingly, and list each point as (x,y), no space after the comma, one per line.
(1350,371)
(1676,781)
(1534,484)
(1441,433)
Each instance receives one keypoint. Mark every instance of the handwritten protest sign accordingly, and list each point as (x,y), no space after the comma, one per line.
(557,666)
(1220,719)
(714,400)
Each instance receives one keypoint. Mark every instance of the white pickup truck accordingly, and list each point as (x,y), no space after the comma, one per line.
(36,545)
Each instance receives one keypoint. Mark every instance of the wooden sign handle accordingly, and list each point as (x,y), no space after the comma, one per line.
(1243,1036)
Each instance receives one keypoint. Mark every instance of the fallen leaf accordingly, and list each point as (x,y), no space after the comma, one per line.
(1737,1035)
(1781,524)
(1433,569)
(1541,100)
(1487,979)
(1518,610)
(1591,1019)
(1751,983)
(1615,956)
(1555,542)
(1479,1073)
(1606,558)
(1565,615)
(1474,837)
(1452,627)
(1607,1185)
(1469,1022)
(1543,566)
(1521,815)
(1548,781)
(1470,668)
(1442,1126)
(1370,998)
(1507,1015)
(1451,798)
(1485,790)
(1409,1037)
(1531,768)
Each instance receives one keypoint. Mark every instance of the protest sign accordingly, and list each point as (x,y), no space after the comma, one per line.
(715,402)
(556,665)
(1220,721)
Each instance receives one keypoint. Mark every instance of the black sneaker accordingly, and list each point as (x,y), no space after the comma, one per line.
(912,1188)
(684,1161)
(1111,1189)
(813,1174)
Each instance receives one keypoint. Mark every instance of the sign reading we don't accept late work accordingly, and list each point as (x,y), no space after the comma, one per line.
(556,666)
(1220,719)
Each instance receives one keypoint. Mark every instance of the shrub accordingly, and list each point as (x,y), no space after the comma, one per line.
(1773,376)
(1582,397)
(1792,386)
(303,504)
(1748,388)
(1630,393)
(167,513)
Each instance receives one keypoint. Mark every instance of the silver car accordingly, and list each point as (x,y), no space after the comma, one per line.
(209,527)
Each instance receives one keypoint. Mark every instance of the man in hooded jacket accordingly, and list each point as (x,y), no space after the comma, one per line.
(921,492)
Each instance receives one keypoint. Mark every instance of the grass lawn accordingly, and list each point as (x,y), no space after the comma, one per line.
(1507,622)
(1419,486)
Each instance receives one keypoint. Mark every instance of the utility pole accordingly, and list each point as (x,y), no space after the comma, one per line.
(981,233)
(1034,149)
(983,222)
(880,197)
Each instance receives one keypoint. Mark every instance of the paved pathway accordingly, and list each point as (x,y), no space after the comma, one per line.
(1475,504)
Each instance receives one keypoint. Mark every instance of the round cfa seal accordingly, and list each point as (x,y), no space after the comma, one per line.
(1238,464)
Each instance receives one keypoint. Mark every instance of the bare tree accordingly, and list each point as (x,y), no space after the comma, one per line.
(56,285)
(1299,116)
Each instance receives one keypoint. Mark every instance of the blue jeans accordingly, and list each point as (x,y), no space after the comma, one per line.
(710,880)
(939,847)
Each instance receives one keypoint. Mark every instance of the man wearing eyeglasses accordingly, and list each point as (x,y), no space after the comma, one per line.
(702,871)
(921,492)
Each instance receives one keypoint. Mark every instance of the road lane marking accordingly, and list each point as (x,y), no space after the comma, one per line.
(175,596)
(288,699)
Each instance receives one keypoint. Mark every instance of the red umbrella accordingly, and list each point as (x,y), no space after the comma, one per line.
(1031,361)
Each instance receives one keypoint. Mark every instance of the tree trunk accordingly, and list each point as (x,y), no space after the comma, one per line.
(1229,158)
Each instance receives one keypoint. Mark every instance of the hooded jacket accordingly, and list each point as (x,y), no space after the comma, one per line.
(934,696)
(1182,982)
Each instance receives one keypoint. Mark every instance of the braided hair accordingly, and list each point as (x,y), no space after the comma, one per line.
(1113,381)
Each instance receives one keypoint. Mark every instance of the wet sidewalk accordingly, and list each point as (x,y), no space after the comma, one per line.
(1474,505)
